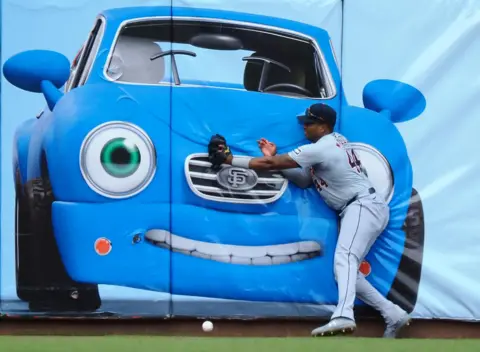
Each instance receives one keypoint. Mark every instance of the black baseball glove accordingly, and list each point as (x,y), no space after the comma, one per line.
(218,150)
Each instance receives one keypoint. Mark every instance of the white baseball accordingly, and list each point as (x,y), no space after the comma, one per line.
(207,326)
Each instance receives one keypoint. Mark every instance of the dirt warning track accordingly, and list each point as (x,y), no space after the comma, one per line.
(224,328)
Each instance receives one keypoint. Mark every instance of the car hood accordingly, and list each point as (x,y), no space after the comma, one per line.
(241,116)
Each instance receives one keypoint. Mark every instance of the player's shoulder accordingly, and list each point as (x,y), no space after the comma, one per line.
(326,143)
(331,140)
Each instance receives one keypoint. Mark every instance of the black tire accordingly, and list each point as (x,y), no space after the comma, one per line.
(24,270)
(52,289)
(404,290)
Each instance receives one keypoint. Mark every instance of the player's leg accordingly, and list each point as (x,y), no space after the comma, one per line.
(351,245)
(365,290)
(360,225)
(345,270)
(369,295)
(395,317)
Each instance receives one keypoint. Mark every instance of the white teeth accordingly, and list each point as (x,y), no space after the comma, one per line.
(221,258)
(201,255)
(213,248)
(262,261)
(183,243)
(249,251)
(282,259)
(182,251)
(246,255)
(157,235)
(283,249)
(308,246)
(241,260)
(298,257)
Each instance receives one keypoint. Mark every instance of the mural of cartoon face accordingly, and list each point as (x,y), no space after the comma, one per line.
(119,181)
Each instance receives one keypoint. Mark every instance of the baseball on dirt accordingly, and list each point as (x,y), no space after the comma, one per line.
(207,326)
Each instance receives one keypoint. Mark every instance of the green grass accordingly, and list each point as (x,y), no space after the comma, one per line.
(219,344)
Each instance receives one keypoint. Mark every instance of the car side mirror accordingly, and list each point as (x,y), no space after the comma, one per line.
(399,101)
(39,71)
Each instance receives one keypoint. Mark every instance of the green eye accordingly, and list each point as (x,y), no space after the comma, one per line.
(120,158)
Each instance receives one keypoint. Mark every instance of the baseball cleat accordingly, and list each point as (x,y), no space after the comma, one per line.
(393,329)
(335,326)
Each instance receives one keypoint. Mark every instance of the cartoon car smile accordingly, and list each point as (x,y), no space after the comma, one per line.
(113,183)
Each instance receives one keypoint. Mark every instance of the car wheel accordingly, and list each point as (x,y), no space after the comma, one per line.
(404,290)
(55,290)
(24,266)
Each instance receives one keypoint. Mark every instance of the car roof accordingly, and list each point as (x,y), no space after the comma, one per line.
(116,16)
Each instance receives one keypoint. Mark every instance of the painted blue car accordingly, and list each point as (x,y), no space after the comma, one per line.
(113,183)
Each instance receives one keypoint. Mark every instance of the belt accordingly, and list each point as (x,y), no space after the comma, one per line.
(371,190)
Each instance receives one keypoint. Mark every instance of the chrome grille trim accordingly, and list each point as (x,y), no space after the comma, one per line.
(202,180)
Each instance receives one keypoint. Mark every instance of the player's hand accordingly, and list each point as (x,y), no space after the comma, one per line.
(218,151)
(268,148)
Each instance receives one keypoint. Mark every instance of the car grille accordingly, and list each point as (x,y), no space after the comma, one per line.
(202,180)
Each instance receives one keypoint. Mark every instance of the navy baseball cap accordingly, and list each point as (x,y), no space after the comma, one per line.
(319,113)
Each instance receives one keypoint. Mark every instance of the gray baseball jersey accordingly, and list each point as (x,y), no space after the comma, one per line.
(336,171)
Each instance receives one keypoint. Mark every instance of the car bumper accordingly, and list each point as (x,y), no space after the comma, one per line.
(135,262)
(132,263)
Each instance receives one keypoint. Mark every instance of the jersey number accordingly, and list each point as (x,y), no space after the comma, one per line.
(318,185)
(353,160)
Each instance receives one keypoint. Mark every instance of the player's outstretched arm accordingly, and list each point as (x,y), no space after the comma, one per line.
(283,162)
(276,162)
(300,177)
(219,153)
(304,156)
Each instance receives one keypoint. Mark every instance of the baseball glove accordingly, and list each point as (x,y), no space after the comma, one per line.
(218,150)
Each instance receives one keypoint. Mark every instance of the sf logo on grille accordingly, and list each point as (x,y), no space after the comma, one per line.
(236,178)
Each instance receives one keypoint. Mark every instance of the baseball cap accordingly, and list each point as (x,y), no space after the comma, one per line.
(319,113)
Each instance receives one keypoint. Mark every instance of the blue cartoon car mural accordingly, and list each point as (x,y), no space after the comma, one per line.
(113,183)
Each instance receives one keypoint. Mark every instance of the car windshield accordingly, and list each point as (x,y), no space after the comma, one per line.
(216,54)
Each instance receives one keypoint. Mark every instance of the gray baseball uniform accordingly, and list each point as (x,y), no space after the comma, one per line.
(338,176)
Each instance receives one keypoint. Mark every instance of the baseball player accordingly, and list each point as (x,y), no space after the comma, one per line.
(338,175)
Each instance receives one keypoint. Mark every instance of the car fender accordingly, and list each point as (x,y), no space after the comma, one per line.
(376,129)
(21,145)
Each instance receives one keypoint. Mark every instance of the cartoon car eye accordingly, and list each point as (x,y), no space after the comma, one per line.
(117,160)
(376,167)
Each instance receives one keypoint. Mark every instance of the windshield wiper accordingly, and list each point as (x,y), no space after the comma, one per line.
(176,77)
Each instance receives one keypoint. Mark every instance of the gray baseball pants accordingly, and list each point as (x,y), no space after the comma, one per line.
(360,224)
